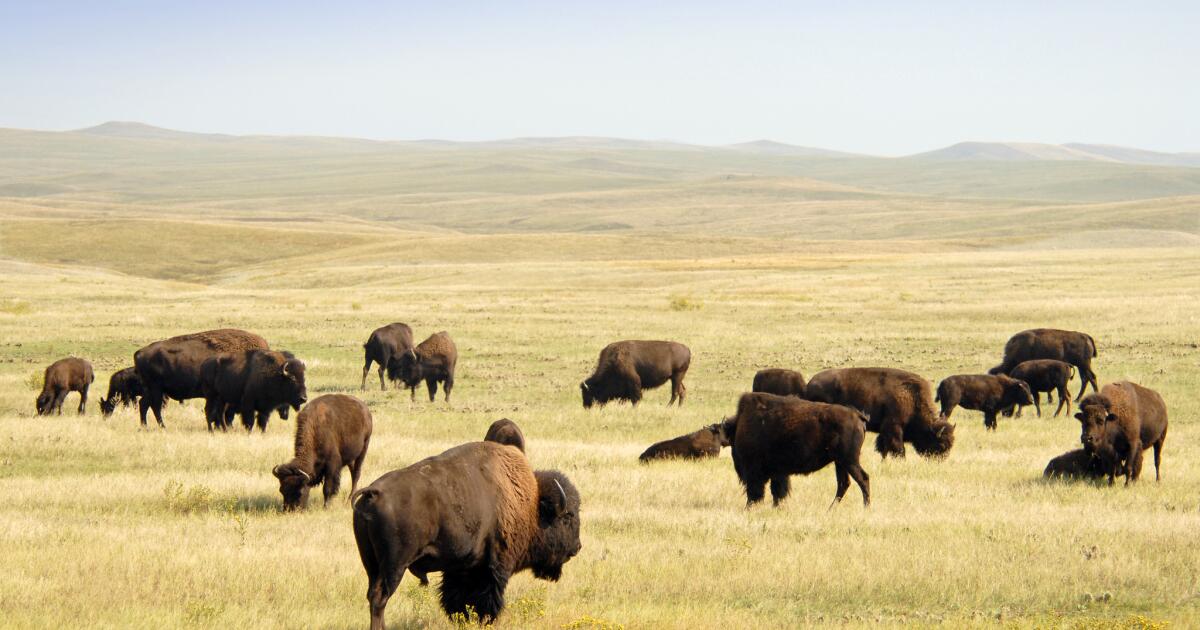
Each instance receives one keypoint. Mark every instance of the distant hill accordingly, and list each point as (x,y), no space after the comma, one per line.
(125,129)
(1032,151)
(770,147)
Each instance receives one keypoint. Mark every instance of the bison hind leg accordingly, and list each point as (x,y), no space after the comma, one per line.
(476,591)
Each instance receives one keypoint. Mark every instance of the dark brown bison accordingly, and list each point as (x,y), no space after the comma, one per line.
(1068,346)
(706,442)
(505,431)
(62,377)
(1046,375)
(1076,464)
(780,382)
(1139,417)
(124,388)
(253,384)
(432,361)
(478,514)
(898,403)
(171,368)
(988,393)
(386,344)
(332,431)
(627,368)
(774,437)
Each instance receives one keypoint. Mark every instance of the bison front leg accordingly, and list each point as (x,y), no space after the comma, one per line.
(479,589)
(890,441)
(843,483)
(989,419)
(1133,463)
(1037,402)
(333,480)
(431,385)
(780,487)
(263,417)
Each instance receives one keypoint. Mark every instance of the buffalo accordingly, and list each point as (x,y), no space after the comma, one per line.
(505,431)
(432,361)
(780,382)
(386,344)
(774,437)
(1046,375)
(988,393)
(124,388)
(1118,423)
(706,442)
(1076,464)
(62,377)
(332,431)
(478,513)
(626,368)
(1068,346)
(898,404)
(253,384)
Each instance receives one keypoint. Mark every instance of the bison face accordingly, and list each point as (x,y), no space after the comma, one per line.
(1093,420)
(107,406)
(557,539)
(407,369)
(718,433)
(936,440)
(44,400)
(588,398)
(292,376)
(1017,392)
(293,485)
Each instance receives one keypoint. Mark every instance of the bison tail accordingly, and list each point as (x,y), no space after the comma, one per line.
(1093,342)
(368,496)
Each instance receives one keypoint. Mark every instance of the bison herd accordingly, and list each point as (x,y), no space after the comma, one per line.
(479,513)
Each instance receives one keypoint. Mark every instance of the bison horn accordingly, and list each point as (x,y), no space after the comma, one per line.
(285,368)
(584,385)
(307,477)
(275,471)
(561,491)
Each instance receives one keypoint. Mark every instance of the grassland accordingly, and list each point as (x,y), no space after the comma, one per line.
(106,525)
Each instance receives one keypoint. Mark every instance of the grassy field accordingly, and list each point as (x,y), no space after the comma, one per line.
(103,524)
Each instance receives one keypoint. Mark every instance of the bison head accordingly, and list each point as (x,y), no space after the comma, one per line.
(107,406)
(934,441)
(557,538)
(1094,418)
(406,368)
(44,401)
(999,369)
(1016,392)
(291,375)
(719,433)
(294,483)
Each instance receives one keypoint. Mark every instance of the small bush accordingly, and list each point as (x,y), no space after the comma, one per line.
(588,622)
(194,500)
(197,612)
(684,303)
(355,306)
(35,380)
(529,608)
(15,307)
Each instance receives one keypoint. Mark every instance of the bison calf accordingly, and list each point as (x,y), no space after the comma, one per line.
(332,431)
(62,377)
(627,368)
(1121,421)
(124,388)
(774,437)
(1076,464)
(505,431)
(706,442)
(982,392)
(1046,375)
(780,382)
(432,361)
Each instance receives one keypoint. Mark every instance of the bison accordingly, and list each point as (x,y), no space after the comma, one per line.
(774,437)
(62,377)
(124,388)
(1076,464)
(505,431)
(433,360)
(1118,423)
(780,382)
(332,431)
(898,404)
(626,368)
(1068,346)
(706,442)
(386,344)
(478,514)
(251,383)
(988,393)
(1046,375)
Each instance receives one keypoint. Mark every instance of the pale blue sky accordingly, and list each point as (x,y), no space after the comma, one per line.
(877,77)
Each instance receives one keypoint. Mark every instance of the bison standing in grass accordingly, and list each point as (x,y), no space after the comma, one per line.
(62,377)
(1046,375)
(1068,346)
(1121,421)
(386,344)
(627,368)
(706,442)
(478,514)
(253,384)
(774,437)
(780,382)
(899,406)
(432,361)
(505,431)
(124,388)
(988,393)
(332,431)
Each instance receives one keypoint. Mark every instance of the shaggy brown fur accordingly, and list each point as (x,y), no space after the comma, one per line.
(386,344)
(432,361)
(505,431)
(898,403)
(252,383)
(780,382)
(124,388)
(627,368)
(706,442)
(982,392)
(1068,346)
(1076,464)
(1140,419)
(62,377)
(332,431)
(1046,375)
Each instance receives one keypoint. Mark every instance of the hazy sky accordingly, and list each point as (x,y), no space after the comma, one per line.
(877,77)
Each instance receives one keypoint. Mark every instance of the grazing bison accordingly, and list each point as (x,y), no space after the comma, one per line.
(779,382)
(505,431)
(124,388)
(774,437)
(386,344)
(988,393)
(1121,421)
(1068,346)
(706,442)
(61,378)
(897,402)
(478,514)
(1046,375)
(626,368)
(1076,464)
(332,431)
(433,360)
(251,383)
(171,368)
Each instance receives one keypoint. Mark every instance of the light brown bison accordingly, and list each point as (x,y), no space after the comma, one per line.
(774,437)
(62,377)
(124,388)
(988,393)
(386,344)
(780,382)
(505,431)
(1076,464)
(1068,346)
(1139,417)
(626,368)
(1046,375)
(478,514)
(332,431)
(252,383)
(899,406)
(706,442)
(432,361)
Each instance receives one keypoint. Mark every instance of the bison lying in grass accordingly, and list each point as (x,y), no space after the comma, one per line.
(706,442)
(62,377)
(1121,421)
(1076,464)
(332,431)
(625,369)
(988,393)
